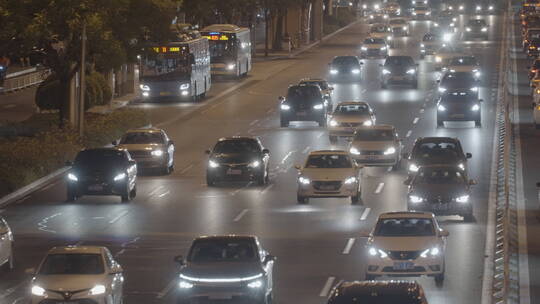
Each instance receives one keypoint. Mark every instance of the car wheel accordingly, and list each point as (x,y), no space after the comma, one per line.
(468,218)
(537,126)
(396,166)
(10,264)
(422,56)
(415,84)
(355,199)
(133,192)
(261,180)
(284,123)
(322,122)
(440,123)
(210,181)
(71,196)
(302,199)
(370,277)
(477,123)
(384,86)
(439,279)
(333,139)
(126,198)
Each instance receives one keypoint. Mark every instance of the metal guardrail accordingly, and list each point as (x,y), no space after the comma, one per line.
(22,81)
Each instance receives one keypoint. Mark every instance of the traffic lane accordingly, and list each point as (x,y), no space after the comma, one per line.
(17,106)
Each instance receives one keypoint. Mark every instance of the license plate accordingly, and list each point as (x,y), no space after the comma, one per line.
(403,265)
(95,188)
(327,187)
(458,116)
(439,207)
(301,113)
(399,77)
(372,157)
(165,93)
(220,297)
(234,172)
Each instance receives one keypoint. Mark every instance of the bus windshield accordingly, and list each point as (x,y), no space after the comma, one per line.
(166,63)
(222,48)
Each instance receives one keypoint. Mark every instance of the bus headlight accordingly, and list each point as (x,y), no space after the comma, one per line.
(144,87)
(184,86)
(231,66)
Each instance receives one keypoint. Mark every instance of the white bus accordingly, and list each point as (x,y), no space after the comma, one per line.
(230,49)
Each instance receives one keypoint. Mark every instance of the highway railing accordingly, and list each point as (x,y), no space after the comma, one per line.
(24,79)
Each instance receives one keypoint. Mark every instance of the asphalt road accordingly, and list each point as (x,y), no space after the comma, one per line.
(309,240)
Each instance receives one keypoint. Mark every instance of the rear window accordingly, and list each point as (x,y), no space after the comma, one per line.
(352,109)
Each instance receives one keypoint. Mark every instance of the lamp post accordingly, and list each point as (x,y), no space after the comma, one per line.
(83,80)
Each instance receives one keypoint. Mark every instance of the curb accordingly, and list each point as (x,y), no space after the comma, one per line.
(32,187)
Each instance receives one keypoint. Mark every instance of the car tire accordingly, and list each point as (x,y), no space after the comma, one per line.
(210,181)
(133,192)
(261,180)
(439,279)
(537,126)
(468,218)
(370,277)
(422,56)
(333,139)
(302,199)
(10,264)
(397,165)
(284,123)
(415,84)
(440,123)
(71,196)
(478,123)
(384,86)
(355,199)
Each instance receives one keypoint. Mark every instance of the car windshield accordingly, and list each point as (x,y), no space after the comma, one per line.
(329,161)
(304,93)
(101,157)
(373,135)
(352,109)
(468,60)
(436,150)
(379,29)
(86,264)
(322,84)
(438,176)
(142,138)
(204,251)
(459,79)
(476,23)
(345,60)
(374,41)
(405,227)
(237,146)
(421,8)
(399,61)
(398,21)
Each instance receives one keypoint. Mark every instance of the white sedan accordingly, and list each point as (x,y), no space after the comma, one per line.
(6,245)
(377,146)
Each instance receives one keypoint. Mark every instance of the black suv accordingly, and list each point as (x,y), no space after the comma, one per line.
(476,28)
(303,103)
(459,107)
(229,267)
(345,68)
(399,69)
(441,189)
(459,82)
(387,292)
(238,158)
(436,150)
(102,171)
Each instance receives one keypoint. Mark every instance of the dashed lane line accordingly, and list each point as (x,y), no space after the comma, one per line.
(186,169)
(326,288)
(365,214)
(348,246)
(267,188)
(306,150)
(118,217)
(379,188)
(240,215)
(408,133)
(164,194)
(415,121)
(254,122)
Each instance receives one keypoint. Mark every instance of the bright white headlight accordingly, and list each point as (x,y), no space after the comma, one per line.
(72,177)
(38,291)
(255,164)
(157,153)
(442,90)
(97,290)
(354,151)
(350,180)
(144,87)
(476,107)
(333,123)
(363,48)
(415,199)
(304,180)
(333,72)
(356,71)
(318,106)
(461,166)
(368,123)
(385,71)
(119,177)
(184,86)
(213,164)
(411,71)
(285,107)
(413,168)
(389,151)
(185,285)
(468,29)
(474,89)
(438,59)
(255,284)
(484,29)
(422,45)
(231,66)
(383,48)
(462,199)
(441,108)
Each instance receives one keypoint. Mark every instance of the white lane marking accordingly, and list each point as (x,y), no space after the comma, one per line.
(254,122)
(166,290)
(286,156)
(379,188)
(365,214)
(263,191)
(164,194)
(306,150)
(155,191)
(43,223)
(415,121)
(326,288)
(320,135)
(408,133)
(270,111)
(389,169)
(186,169)
(240,215)
(348,246)
(119,216)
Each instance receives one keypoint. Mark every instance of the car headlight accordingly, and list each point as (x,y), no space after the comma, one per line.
(441,108)
(285,107)
(484,29)
(377,252)
(350,180)
(390,151)
(446,37)
(442,90)
(438,59)
(414,13)
(97,290)
(213,164)
(363,48)
(452,24)
(490,7)
(388,38)
(385,71)
(371,17)
(185,285)
(428,13)
(404,28)
(385,16)
(184,86)
(255,284)
(304,180)
(422,45)
(255,164)
(354,151)
(119,177)
(144,87)
(415,199)
(157,153)
(478,8)
(383,48)
(461,166)
(435,251)
(435,24)
(474,89)
(368,123)
(413,168)
(461,7)
(462,199)
(411,71)
(318,106)
(231,66)
(333,123)
(72,177)
(468,29)
(38,291)
(476,107)
(333,72)
(356,71)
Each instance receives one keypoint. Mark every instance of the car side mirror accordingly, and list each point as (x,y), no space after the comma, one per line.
(438,81)
(468,155)
(208,152)
(269,258)
(361,62)
(116,270)
(297,167)
(266,151)
(472,182)
(281,98)
(444,233)
(69,163)
(180,260)
(480,100)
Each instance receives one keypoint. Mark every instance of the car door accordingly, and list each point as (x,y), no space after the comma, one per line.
(268,268)
(5,242)
(115,279)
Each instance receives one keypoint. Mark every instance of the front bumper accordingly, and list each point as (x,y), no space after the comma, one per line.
(459,116)
(203,293)
(303,115)
(476,34)
(449,208)
(429,266)
(234,173)
(404,78)
(328,189)
(97,187)
(53,298)
(421,17)
(375,160)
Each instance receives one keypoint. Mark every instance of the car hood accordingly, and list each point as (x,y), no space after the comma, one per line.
(404,243)
(236,158)
(222,270)
(373,46)
(140,147)
(328,174)
(462,68)
(434,160)
(351,118)
(372,145)
(436,190)
(68,282)
(402,69)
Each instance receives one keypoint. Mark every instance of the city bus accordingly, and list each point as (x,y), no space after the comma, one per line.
(176,70)
(230,49)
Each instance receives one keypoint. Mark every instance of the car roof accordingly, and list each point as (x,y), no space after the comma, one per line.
(352,103)
(436,139)
(76,250)
(376,127)
(324,152)
(226,237)
(406,214)
(237,138)
(144,130)
(305,80)
(353,288)
(101,149)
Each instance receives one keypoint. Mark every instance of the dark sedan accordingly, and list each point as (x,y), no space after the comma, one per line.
(236,159)
(399,69)
(378,292)
(102,171)
(436,150)
(441,189)
(226,268)
(459,107)
(459,82)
